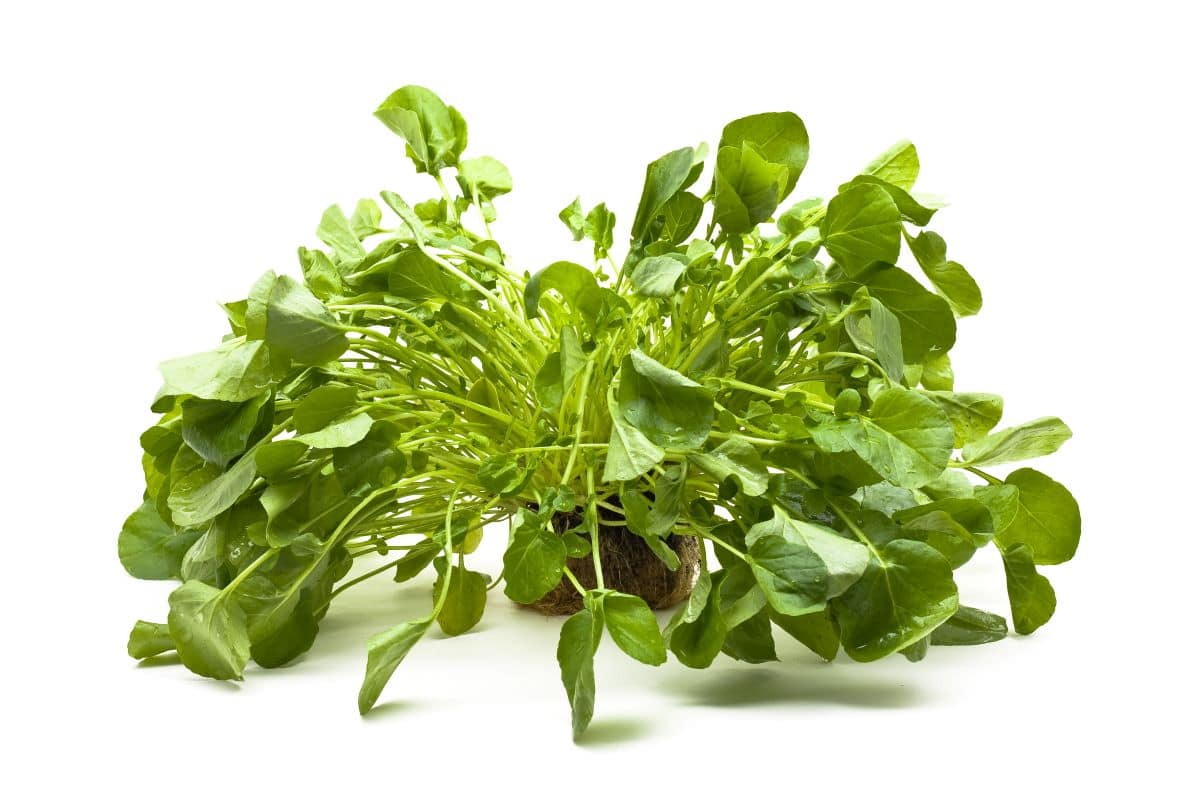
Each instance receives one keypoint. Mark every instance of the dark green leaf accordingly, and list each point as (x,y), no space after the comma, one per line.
(149,548)
(670,409)
(664,177)
(905,437)
(800,565)
(577,643)
(534,560)
(970,626)
(634,628)
(1030,594)
(906,592)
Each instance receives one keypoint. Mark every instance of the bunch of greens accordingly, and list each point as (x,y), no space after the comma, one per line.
(759,375)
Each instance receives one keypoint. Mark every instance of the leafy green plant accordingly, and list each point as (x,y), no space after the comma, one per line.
(760,376)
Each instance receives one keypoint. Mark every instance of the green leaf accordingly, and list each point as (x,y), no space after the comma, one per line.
(340,433)
(780,136)
(598,226)
(209,631)
(505,474)
(1001,501)
(970,626)
(322,406)
(861,227)
(697,631)
(385,651)
(577,643)
(149,639)
(670,409)
(1046,520)
(664,177)
(534,560)
(630,454)
(237,371)
(299,326)
(887,337)
(818,632)
(737,457)
(568,279)
(485,176)
(747,188)
(335,231)
(634,628)
(906,592)
(366,219)
(376,460)
(1039,437)
(972,414)
(149,548)
(417,559)
(557,376)
(926,321)
(681,214)
(1030,594)
(572,217)
(465,600)
(898,165)
(910,210)
(202,495)
(950,278)
(220,431)
(906,438)
(435,133)
(800,565)
(657,276)
(751,641)
(415,276)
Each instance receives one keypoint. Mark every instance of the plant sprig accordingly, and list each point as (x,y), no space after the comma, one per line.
(761,376)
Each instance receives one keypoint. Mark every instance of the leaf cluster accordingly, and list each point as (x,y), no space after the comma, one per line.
(757,372)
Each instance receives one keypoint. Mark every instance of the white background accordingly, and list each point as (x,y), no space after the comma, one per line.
(156,160)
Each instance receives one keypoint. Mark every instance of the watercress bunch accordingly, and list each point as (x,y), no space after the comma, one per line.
(756,372)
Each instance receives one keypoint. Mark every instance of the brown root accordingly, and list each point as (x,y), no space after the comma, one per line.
(629,566)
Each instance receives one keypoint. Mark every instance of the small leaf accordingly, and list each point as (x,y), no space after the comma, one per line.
(209,631)
(800,565)
(1046,520)
(1030,594)
(670,409)
(738,458)
(862,227)
(657,276)
(634,628)
(465,600)
(697,631)
(339,433)
(385,651)
(534,560)
(1039,437)
(149,639)
(149,548)
(970,626)
(664,177)
(577,643)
